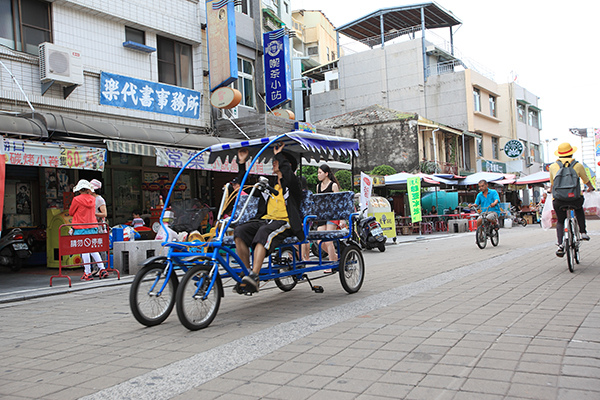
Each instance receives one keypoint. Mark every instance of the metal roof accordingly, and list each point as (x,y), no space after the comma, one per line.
(396,20)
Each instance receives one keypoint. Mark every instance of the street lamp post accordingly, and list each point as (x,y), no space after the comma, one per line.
(547,141)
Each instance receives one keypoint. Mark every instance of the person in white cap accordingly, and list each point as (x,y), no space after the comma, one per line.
(100,202)
(83,212)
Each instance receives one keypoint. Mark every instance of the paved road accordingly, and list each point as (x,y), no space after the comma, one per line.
(435,319)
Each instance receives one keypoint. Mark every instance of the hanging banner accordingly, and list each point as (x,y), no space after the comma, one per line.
(366,187)
(137,94)
(278,68)
(222,43)
(414,197)
(55,155)
(176,158)
(597,140)
(2,177)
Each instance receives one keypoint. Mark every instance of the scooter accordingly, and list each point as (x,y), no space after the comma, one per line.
(14,249)
(368,233)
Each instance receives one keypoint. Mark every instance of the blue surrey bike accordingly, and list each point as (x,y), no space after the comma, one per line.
(192,275)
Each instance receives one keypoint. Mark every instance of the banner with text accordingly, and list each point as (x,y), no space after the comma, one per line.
(278,68)
(414,197)
(176,158)
(366,186)
(137,94)
(56,155)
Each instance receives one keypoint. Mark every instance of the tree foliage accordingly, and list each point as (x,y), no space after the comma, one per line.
(310,173)
(383,170)
(344,178)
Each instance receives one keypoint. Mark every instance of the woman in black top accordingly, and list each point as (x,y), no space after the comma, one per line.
(327,184)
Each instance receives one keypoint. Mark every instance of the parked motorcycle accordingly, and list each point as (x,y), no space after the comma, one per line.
(517,217)
(368,233)
(14,249)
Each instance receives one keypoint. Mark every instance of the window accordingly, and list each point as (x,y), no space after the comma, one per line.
(535,153)
(492,106)
(135,35)
(313,51)
(243,7)
(24,24)
(533,118)
(521,112)
(495,148)
(333,84)
(174,62)
(245,82)
(328,54)
(287,7)
(477,99)
(480,147)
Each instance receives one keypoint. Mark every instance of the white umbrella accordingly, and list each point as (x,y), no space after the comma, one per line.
(476,177)
(538,177)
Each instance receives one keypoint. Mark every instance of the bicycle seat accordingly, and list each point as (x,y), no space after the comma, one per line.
(568,207)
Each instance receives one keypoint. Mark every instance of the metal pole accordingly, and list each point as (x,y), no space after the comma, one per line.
(381,30)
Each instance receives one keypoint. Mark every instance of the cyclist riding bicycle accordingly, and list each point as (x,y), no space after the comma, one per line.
(564,153)
(487,200)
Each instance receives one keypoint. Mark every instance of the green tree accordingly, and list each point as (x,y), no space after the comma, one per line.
(344,178)
(383,170)
(310,173)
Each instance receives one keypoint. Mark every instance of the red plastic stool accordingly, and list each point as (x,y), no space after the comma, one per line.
(472,225)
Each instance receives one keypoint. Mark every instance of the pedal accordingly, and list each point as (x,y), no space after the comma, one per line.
(317,289)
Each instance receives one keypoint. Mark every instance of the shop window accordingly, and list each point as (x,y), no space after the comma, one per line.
(174,62)
(24,24)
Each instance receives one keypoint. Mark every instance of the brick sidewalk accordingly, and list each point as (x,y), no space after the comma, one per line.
(453,322)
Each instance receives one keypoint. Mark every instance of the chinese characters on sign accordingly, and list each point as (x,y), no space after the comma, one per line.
(136,94)
(56,155)
(177,158)
(278,70)
(83,244)
(414,197)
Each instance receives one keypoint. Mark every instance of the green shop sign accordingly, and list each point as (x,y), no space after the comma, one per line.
(493,166)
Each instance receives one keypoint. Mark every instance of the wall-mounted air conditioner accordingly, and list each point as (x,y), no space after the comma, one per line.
(60,64)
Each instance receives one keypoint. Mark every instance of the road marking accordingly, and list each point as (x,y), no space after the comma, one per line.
(184,375)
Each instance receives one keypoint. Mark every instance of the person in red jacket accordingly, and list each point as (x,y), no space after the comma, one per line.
(83,211)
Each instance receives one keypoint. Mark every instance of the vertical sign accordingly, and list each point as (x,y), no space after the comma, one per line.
(366,185)
(278,69)
(414,197)
(222,43)
(597,141)
(2,173)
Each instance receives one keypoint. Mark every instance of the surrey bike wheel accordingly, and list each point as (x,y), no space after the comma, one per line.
(194,311)
(149,307)
(569,248)
(352,269)
(287,283)
(494,236)
(481,236)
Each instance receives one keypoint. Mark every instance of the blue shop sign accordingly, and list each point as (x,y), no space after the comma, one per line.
(137,94)
(278,68)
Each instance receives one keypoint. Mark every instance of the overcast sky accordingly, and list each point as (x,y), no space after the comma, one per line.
(553,50)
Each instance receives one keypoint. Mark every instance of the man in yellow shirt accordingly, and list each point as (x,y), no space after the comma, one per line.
(565,156)
(277,218)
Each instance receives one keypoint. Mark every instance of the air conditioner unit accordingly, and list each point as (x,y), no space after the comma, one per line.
(529,160)
(60,64)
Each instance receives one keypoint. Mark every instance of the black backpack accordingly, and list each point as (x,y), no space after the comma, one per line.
(566,184)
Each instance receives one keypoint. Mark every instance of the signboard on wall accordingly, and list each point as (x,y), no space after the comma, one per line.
(492,166)
(137,94)
(222,42)
(57,155)
(278,68)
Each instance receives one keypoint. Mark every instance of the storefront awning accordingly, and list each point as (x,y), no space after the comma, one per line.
(434,125)
(23,126)
(85,129)
(130,148)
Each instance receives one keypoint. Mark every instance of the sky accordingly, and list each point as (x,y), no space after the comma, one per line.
(554,51)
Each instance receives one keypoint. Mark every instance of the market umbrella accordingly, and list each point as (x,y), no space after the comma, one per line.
(476,177)
(538,177)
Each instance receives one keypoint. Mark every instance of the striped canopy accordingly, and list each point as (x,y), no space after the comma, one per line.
(311,146)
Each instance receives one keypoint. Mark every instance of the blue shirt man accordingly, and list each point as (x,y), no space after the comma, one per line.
(487,198)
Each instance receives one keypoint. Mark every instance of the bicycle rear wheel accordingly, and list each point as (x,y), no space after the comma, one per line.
(569,245)
(494,237)
(481,237)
